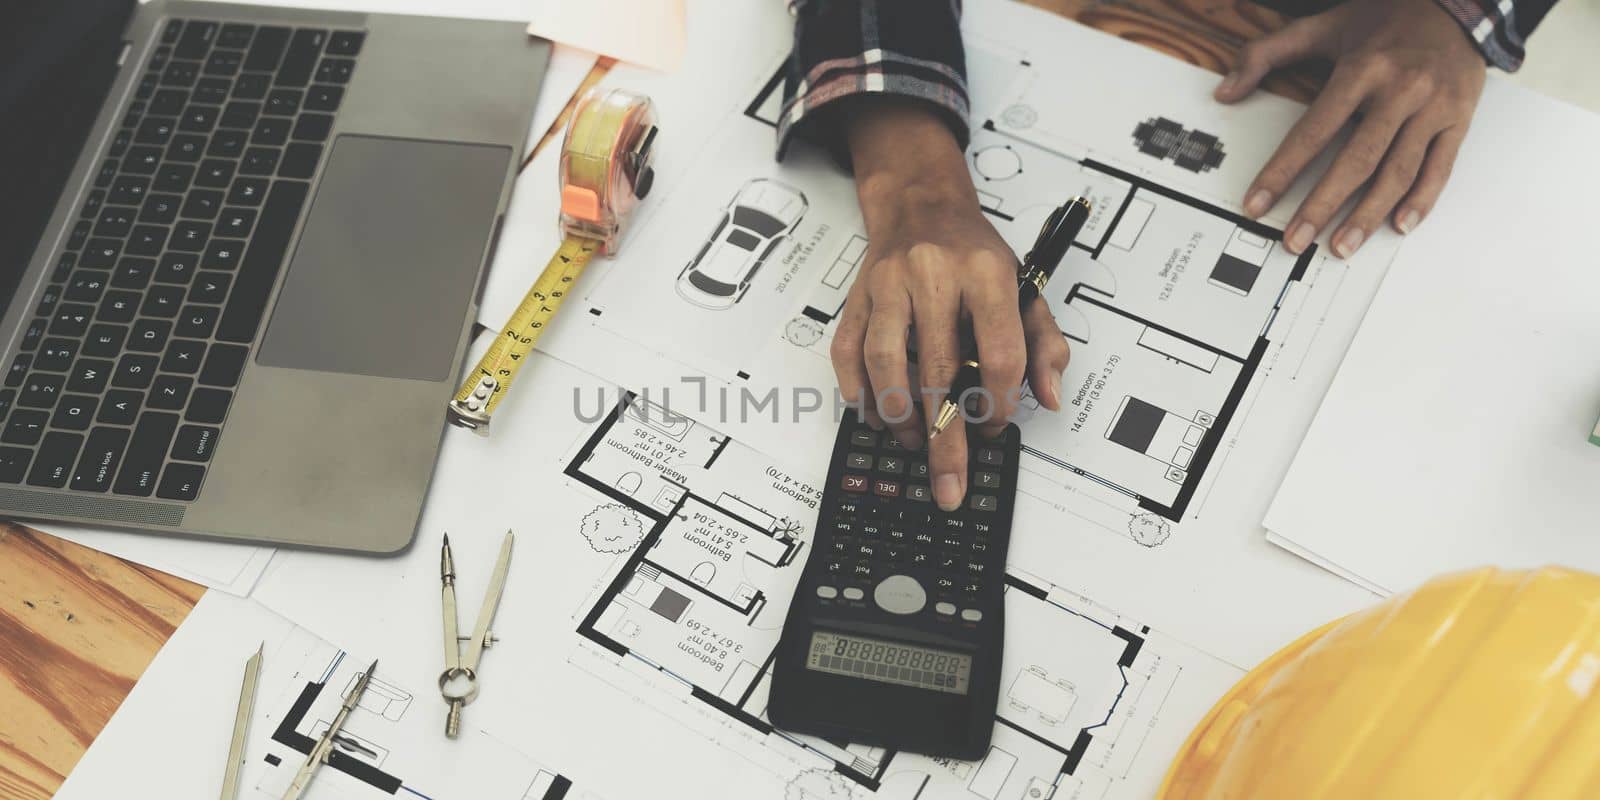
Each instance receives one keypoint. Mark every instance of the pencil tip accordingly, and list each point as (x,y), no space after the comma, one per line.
(447,540)
(372,669)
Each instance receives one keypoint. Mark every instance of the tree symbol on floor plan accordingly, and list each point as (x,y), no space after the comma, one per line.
(613,528)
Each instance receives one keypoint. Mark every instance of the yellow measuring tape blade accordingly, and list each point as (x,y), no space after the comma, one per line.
(486,385)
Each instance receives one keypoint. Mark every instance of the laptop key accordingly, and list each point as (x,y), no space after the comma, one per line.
(147,240)
(283,102)
(173,178)
(134,371)
(87,285)
(186,148)
(335,70)
(170,392)
(190,236)
(227,143)
(117,306)
(313,127)
(324,98)
(236,36)
(176,268)
(74,412)
(129,190)
(158,59)
(181,482)
(223,62)
(223,254)
(200,119)
(101,455)
(345,43)
(183,356)
(33,334)
(115,221)
(160,209)
(195,443)
(300,160)
(52,465)
(19,370)
(56,355)
(259,161)
(224,365)
(133,273)
(155,130)
(100,253)
(247,191)
(215,173)
(196,39)
(267,48)
(90,376)
(14,464)
(162,301)
(48,299)
(120,407)
(212,91)
(168,103)
(79,235)
(258,271)
(208,406)
(203,204)
(305,47)
(120,141)
(93,203)
(210,287)
(105,341)
(149,336)
(170,34)
(71,319)
(271,130)
(141,160)
(147,86)
(146,451)
(41,390)
(180,73)
(252,86)
(64,267)
(25,427)
(240,114)
(236,221)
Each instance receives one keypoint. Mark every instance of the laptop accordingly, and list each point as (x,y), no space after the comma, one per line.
(242,251)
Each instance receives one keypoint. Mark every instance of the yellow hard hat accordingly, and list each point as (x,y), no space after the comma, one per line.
(1478,684)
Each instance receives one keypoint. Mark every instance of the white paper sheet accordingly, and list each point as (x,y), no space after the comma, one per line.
(1188,322)
(1456,433)
(652,572)
(170,737)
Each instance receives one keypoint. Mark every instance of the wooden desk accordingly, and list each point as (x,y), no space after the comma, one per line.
(78,628)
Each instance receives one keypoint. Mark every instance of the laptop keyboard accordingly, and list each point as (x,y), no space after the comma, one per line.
(128,368)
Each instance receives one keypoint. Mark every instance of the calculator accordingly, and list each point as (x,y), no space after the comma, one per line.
(894,634)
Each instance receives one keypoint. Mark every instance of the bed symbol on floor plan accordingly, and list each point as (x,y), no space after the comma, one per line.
(759,218)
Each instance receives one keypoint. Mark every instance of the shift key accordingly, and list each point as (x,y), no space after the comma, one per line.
(151,440)
(101,455)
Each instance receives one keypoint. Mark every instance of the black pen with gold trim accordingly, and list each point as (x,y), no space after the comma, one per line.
(1057,234)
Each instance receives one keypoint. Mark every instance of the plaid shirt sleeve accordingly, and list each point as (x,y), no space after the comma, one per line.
(855,48)
(1499,27)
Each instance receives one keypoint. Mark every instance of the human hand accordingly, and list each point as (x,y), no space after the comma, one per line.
(933,262)
(1403,66)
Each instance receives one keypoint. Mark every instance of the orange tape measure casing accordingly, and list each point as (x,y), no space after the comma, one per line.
(606,164)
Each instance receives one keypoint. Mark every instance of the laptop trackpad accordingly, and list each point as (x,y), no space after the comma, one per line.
(388,260)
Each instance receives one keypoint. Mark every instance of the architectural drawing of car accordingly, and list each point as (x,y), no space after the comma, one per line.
(761,217)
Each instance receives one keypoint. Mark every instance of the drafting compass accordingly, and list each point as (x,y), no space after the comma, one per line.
(459,681)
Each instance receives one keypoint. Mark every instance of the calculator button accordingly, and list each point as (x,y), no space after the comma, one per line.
(945,609)
(900,594)
(986,480)
(827,592)
(984,502)
(894,465)
(989,455)
(919,493)
(854,483)
(858,461)
(919,469)
(886,488)
(971,614)
(854,593)
(863,438)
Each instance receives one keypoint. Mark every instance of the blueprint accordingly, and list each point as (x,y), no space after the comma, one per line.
(390,746)
(654,566)
(1201,346)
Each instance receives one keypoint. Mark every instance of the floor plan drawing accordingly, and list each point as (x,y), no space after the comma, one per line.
(701,600)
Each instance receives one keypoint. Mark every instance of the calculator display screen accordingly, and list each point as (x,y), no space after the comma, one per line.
(889,662)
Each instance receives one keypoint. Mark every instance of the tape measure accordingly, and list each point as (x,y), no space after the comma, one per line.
(605,172)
